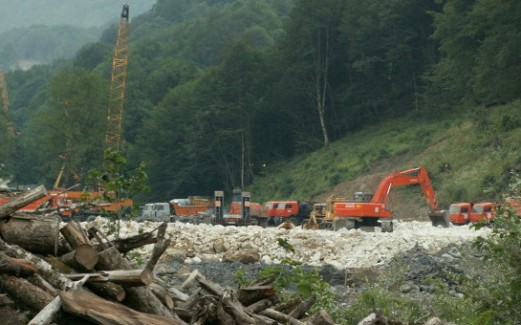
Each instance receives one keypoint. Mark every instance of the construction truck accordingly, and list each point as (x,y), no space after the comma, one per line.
(459,213)
(76,205)
(482,212)
(462,213)
(372,210)
(191,209)
(242,211)
(294,211)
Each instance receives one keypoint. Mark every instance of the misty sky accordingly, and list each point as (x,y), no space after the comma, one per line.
(23,13)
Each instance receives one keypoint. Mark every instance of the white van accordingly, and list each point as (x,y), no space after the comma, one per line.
(157,212)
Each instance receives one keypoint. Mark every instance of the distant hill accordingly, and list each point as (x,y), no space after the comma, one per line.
(470,156)
(39,32)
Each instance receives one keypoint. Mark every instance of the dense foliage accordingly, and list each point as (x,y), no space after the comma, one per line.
(217,90)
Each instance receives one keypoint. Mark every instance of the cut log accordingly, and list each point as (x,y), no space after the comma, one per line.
(55,278)
(281,317)
(251,294)
(47,314)
(83,258)
(22,290)
(126,278)
(261,305)
(178,295)
(141,299)
(35,233)
(103,311)
(75,235)
(163,294)
(21,201)
(108,290)
(238,312)
(15,266)
(124,245)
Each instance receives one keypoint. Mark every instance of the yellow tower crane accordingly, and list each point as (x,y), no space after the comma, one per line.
(5,106)
(118,83)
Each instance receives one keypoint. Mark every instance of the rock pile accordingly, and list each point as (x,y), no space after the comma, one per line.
(192,244)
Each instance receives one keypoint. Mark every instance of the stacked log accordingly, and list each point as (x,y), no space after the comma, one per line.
(73,275)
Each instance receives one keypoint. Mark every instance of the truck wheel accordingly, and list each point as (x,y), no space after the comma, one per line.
(263,222)
(387,226)
(350,224)
(339,224)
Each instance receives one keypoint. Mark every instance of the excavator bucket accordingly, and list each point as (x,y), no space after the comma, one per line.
(439,218)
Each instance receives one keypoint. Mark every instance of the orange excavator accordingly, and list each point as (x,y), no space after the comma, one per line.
(368,209)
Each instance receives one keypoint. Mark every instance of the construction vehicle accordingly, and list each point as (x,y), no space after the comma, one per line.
(483,212)
(372,210)
(118,83)
(75,205)
(293,211)
(271,208)
(459,213)
(242,211)
(157,212)
(192,209)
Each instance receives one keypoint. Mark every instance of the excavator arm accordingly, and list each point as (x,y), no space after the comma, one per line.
(409,177)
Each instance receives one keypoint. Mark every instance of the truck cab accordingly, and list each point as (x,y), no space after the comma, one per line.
(157,212)
(459,213)
(293,211)
(483,211)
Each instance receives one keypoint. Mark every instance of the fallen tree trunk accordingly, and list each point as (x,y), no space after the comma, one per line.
(22,290)
(84,254)
(21,201)
(35,233)
(102,311)
(83,258)
(127,278)
(141,299)
(15,266)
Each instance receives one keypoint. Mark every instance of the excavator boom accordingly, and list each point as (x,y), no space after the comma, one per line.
(375,211)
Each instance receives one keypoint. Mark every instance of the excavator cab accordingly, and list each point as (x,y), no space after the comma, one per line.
(363,197)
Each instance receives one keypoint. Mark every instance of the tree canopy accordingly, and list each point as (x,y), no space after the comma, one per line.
(218,89)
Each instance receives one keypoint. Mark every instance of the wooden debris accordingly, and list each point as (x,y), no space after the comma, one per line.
(26,198)
(36,233)
(117,292)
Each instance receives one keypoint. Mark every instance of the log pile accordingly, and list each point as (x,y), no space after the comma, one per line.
(56,273)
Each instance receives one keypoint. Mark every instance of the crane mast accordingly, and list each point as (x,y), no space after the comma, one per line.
(5,105)
(118,84)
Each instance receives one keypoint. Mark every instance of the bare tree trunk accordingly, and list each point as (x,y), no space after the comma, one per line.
(21,201)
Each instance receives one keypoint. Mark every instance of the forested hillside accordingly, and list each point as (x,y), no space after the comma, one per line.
(221,94)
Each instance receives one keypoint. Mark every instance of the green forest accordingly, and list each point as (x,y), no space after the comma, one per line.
(219,91)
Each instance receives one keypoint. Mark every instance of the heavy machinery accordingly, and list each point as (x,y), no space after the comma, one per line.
(483,212)
(459,213)
(118,84)
(242,211)
(293,211)
(368,209)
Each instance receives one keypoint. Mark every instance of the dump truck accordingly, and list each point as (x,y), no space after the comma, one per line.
(191,209)
(483,212)
(372,210)
(294,211)
(459,213)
